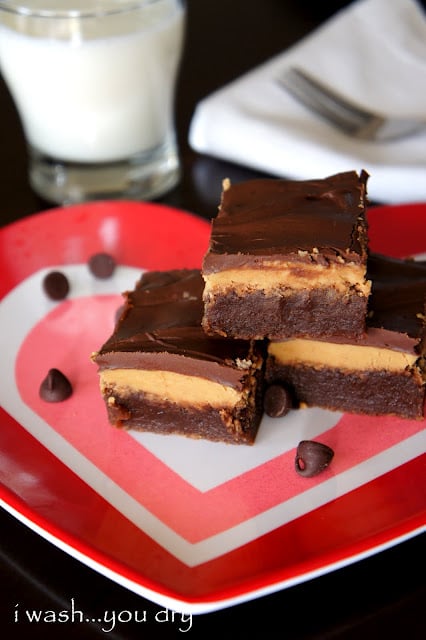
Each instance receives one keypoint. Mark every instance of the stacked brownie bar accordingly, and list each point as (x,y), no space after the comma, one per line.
(160,372)
(287,294)
(288,258)
(383,371)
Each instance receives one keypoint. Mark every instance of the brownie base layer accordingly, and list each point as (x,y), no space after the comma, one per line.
(370,392)
(308,313)
(142,414)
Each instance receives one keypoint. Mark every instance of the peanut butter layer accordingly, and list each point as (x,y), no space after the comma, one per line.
(296,244)
(160,372)
(346,357)
(176,387)
(290,275)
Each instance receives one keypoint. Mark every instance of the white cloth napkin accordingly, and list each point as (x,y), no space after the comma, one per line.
(374,51)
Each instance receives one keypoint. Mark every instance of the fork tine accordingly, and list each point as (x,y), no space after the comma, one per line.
(319,98)
(340,112)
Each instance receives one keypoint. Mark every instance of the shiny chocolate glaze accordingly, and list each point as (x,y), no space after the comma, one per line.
(160,329)
(307,221)
(397,305)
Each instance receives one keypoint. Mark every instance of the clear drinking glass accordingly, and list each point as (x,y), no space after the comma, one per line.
(94,85)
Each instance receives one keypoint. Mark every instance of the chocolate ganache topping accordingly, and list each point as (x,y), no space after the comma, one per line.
(299,220)
(149,336)
(396,317)
(398,300)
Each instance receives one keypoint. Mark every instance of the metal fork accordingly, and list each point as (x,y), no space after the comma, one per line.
(343,114)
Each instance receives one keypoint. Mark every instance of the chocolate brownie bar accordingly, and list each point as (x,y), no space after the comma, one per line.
(381,372)
(288,258)
(159,372)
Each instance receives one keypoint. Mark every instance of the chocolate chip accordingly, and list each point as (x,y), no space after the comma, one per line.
(55,387)
(56,285)
(277,401)
(312,458)
(102,265)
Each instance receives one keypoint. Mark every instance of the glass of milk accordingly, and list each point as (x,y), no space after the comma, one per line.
(94,83)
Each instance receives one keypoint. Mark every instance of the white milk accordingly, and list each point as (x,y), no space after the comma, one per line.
(100,99)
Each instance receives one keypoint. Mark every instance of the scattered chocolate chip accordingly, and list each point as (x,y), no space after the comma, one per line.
(277,401)
(55,387)
(102,265)
(56,285)
(312,458)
